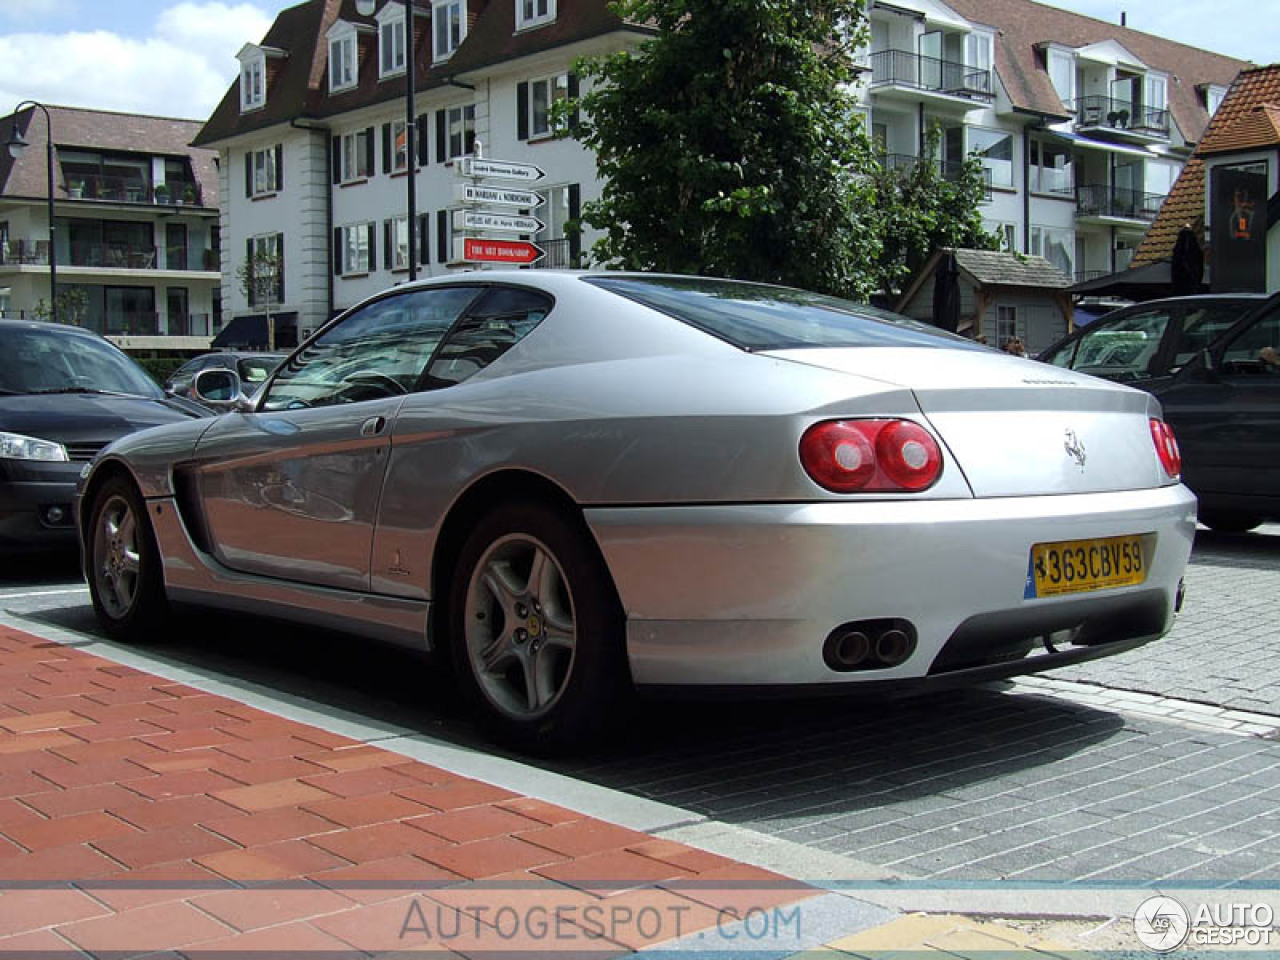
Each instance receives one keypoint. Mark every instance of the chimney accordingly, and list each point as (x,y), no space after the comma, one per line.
(1124,18)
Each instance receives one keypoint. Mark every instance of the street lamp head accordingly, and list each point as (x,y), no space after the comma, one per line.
(17,143)
(365,7)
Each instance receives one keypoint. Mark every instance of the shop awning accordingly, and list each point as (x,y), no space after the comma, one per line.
(1090,144)
(243,332)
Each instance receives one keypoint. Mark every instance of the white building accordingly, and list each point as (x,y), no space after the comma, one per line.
(1082,126)
(136,225)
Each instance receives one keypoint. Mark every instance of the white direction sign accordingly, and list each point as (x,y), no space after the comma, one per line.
(497,196)
(510,222)
(501,169)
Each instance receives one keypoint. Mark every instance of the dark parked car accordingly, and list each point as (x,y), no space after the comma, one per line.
(252,368)
(65,393)
(1211,362)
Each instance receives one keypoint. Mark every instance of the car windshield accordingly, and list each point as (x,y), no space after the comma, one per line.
(55,360)
(758,317)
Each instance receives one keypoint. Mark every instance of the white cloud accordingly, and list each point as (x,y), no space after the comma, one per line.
(181,70)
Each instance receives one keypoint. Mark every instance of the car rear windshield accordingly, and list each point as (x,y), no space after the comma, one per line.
(36,360)
(760,317)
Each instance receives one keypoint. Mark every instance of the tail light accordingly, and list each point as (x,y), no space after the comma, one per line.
(1166,448)
(866,456)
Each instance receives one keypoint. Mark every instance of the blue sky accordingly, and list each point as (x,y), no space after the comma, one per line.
(178,58)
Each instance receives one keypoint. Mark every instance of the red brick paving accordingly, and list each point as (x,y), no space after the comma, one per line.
(151,816)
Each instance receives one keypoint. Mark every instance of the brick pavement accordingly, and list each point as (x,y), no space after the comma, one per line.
(139,815)
(1225,647)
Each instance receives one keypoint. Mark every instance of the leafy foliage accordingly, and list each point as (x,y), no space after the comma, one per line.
(729,146)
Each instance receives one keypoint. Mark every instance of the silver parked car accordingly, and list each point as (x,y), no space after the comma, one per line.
(572,484)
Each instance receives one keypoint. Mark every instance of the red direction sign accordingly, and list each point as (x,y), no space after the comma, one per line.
(501,251)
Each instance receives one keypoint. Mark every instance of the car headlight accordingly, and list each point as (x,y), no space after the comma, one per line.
(14,446)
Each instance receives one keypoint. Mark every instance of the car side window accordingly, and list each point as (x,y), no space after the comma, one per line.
(498,321)
(1255,349)
(1122,348)
(1200,327)
(377,351)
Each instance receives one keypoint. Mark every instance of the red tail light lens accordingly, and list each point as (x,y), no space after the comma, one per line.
(865,456)
(1167,448)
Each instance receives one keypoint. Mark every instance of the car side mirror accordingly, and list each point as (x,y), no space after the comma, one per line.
(218,388)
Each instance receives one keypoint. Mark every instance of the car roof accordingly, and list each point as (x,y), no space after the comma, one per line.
(59,329)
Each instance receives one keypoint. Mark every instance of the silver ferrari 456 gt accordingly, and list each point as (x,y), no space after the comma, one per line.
(573,484)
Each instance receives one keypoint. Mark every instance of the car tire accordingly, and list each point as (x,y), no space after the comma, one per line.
(536,630)
(1226,522)
(122,564)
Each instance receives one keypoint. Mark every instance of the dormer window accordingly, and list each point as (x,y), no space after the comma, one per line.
(391,40)
(1061,64)
(533,13)
(448,27)
(253,84)
(1213,97)
(342,57)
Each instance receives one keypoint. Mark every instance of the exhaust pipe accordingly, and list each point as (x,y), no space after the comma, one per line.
(892,647)
(851,648)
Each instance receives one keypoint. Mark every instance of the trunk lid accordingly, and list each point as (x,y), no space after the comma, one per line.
(1016,427)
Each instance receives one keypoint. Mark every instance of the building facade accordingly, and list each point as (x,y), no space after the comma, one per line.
(1081,127)
(135,226)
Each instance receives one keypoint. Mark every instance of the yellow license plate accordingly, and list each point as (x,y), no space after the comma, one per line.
(1078,566)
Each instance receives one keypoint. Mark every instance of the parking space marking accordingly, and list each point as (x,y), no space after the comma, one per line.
(44,593)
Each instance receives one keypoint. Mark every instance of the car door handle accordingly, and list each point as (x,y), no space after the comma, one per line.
(373,426)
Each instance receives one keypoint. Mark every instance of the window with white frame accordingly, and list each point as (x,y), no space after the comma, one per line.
(531,13)
(1062,73)
(253,83)
(1213,97)
(357,164)
(543,94)
(461,131)
(554,212)
(1154,92)
(977,50)
(342,58)
(265,271)
(266,173)
(356,254)
(396,237)
(399,146)
(1055,244)
(448,27)
(1051,167)
(995,151)
(391,40)
(1006,233)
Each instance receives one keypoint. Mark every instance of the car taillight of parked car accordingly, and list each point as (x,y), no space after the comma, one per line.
(1166,448)
(871,456)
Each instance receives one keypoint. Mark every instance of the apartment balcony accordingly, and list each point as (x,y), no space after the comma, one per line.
(190,325)
(134,324)
(1121,118)
(110,189)
(951,169)
(911,76)
(1103,204)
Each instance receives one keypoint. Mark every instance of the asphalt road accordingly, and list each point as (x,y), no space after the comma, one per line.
(1007,783)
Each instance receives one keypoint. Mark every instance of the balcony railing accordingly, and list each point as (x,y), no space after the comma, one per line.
(190,325)
(900,68)
(122,256)
(558,255)
(132,190)
(951,169)
(1099,111)
(133,324)
(1104,201)
(17,251)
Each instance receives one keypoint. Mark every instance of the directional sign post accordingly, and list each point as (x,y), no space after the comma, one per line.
(502,170)
(519,252)
(483,220)
(497,196)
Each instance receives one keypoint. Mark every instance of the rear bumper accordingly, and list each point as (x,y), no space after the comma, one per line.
(746,596)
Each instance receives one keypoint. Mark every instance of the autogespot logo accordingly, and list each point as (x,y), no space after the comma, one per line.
(1161,923)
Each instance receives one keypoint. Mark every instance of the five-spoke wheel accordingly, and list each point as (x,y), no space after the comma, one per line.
(122,563)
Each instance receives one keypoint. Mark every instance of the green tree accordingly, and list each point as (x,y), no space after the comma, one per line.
(922,206)
(259,279)
(728,145)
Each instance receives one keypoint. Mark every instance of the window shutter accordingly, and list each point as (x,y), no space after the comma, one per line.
(248,174)
(387,259)
(442,137)
(248,263)
(280,267)
(573,95)
(279,166)
(522,111)
(337,251)
(424,155)
(424,242)
(575,211)
(336,142)
(368,151)
(442,236)
(386,148)
(372,233)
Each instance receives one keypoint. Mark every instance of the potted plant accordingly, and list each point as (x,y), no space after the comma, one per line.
(162,193)
(189,194)
(75,189)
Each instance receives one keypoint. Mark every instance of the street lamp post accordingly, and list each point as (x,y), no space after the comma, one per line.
(17,144)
